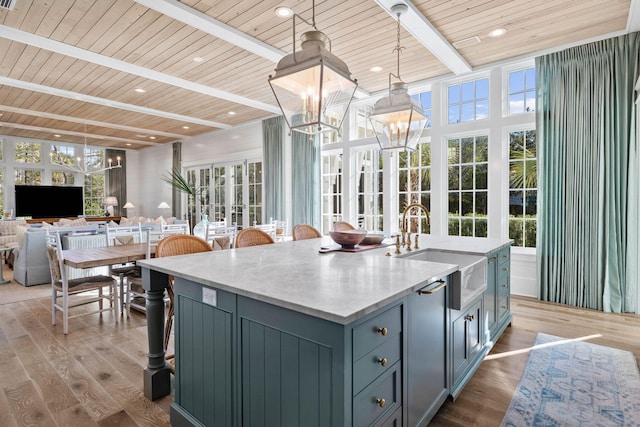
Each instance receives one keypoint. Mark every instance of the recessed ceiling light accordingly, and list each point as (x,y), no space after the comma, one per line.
(197,59)
(152,137)
(128,144)
(56,135)
(140,90)
(185,127)
(497,32)
(283,11)
(232,113)
(376,69)
(141,136)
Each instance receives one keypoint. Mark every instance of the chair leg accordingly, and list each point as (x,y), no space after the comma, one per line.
(54,295)
(65,313)
(121,301)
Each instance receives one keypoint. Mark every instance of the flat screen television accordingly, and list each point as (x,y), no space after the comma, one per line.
(48,201)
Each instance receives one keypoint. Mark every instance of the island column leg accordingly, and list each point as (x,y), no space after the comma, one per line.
(157,375)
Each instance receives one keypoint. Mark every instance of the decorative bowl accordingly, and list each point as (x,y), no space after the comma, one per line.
(348,238)
(373,238)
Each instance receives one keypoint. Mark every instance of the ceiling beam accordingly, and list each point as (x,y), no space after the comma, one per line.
(70,132)
(191,17)
(116,64)
(73,119)
(107,102)
(422,30)
(633,20)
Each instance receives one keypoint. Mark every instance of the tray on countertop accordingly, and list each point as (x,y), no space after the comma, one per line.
(357,248)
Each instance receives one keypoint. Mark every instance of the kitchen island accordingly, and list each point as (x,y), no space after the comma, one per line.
(285,335)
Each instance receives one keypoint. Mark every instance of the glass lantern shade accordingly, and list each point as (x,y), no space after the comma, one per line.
(310,83)
(401,119)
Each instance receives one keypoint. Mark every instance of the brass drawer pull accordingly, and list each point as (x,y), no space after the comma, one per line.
(381,402)
(469,317)
(504,285)
(433,290)
(492,259)
(382,331)
(505,268)
(382,361)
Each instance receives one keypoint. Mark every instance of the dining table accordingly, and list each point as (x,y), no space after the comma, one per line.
(119,254)
(105,255)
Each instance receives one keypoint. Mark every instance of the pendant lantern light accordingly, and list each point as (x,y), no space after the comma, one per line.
(400,117)
(311,82)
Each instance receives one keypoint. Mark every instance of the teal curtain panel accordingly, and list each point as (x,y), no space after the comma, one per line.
(273,167)
(588,175)
(305,177)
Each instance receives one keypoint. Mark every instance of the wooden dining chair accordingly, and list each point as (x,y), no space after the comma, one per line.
(63,289)
(305,231)
(342,226)
(135,291)
(252,237)
(124,235)
(177,244)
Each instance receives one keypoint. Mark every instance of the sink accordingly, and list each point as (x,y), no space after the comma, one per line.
(468,282)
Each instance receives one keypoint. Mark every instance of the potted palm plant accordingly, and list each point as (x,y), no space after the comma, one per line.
(182,184)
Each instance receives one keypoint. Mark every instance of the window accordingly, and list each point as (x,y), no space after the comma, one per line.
(333,116)
(63,155)
(1,149)
(203,190)
(425,101)
(468,101)
(331,191)
(94,192)
(523,188)
(191,201)
(255,192)
(522,91)
(62,178)
(369,189)
(362,127)
(93,158)
(219,209)
(414,186)
(237,203)
(468,190)
(28,177)
(27,152)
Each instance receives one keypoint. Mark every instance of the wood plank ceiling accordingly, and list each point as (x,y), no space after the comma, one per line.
(71,67)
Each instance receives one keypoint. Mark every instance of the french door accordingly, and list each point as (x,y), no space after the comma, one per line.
(231,192)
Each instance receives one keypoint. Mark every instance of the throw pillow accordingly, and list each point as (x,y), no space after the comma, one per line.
(127,221)
(46,225)
(160,221)
(112,224)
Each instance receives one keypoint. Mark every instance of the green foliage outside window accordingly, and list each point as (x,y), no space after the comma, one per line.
(27,152)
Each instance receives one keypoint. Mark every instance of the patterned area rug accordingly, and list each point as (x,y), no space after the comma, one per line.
(575,383)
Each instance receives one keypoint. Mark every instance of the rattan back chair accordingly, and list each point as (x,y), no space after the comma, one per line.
(342,226)
(305,231)
(252,237)
(177,244)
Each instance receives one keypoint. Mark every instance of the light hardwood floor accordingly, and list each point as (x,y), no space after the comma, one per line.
(93,376)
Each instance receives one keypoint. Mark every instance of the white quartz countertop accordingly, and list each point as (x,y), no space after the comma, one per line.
(335,286)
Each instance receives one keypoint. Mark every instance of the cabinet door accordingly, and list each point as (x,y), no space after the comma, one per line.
(466,340)
(490,295)
(426,359)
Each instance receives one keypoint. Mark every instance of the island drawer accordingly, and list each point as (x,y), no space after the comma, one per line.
(395,420)
(503,306)
(503,285)
(376,331)
(375,363)
(382,397)
(504,255)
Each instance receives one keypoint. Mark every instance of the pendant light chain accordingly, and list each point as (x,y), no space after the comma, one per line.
(398,49)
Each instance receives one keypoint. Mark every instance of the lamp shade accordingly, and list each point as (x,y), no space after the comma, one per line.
(164,205)
(128,205)
(398,119)
(315,85)
(110,201)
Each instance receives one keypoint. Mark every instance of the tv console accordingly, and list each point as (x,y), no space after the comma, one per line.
(89,219)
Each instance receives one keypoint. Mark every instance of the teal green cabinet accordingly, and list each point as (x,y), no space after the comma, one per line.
(244,362)
(426,352)
(466,344)
(497,297)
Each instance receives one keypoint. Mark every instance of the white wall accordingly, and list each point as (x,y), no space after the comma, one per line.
(153,162)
